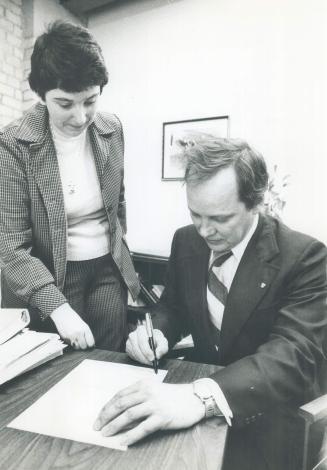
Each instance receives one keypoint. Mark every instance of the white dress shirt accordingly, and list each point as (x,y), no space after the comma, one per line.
(225,273)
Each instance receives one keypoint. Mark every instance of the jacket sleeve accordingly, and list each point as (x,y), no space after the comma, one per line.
(283,370)
(168,314)
(25,275)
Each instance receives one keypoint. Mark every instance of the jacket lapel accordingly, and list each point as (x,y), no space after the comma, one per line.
(196,274)
(255,272)
(99,131)
(107,168)
(44,164)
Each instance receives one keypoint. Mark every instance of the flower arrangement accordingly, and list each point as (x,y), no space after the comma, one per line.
(275,197)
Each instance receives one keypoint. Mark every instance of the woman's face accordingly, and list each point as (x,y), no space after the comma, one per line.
(72,113)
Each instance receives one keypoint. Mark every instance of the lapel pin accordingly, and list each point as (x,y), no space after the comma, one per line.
(262,285)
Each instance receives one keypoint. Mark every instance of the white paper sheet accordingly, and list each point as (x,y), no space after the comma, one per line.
(69,409)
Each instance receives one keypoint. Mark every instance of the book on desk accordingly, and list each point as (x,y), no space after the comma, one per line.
(22,349)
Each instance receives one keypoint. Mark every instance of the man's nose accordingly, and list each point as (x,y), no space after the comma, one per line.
(205,229)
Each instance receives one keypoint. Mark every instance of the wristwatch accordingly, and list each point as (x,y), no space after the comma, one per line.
(204,393)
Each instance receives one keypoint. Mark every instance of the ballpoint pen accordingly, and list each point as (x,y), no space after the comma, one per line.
(149,330)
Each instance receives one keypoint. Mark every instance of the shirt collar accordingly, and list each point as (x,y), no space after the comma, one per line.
(239,249)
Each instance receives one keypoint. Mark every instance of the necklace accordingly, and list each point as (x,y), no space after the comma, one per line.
(76,152)
(70,151)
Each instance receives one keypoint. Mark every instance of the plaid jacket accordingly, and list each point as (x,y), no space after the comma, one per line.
(33,225)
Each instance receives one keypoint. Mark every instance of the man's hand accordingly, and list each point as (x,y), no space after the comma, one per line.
(71,328)
(149,406)
(137,346)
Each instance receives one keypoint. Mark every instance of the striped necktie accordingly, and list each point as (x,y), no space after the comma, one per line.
(216,287)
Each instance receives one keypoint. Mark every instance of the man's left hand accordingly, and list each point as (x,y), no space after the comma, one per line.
(151,406)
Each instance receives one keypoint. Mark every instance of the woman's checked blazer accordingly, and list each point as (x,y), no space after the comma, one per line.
(33,222)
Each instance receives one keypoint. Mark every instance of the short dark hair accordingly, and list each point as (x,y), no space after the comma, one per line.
(66,56)
(207,155)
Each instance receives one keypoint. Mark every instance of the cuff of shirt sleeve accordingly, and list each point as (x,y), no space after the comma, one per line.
(47,299)
(220,399)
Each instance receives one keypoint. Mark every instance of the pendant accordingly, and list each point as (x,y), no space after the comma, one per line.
(71,188)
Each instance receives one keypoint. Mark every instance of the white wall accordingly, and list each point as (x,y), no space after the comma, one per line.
(46,11)
(263,62)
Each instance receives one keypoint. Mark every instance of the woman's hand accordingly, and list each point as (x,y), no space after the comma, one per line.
(72,329)
(137,346)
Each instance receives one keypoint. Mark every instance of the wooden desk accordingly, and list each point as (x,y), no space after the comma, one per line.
(198,448)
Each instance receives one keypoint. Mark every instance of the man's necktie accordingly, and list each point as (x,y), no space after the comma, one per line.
(215,286)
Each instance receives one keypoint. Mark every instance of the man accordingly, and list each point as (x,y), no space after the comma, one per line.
(253,294)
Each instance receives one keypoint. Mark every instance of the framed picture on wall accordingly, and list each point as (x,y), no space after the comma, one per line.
(179,134)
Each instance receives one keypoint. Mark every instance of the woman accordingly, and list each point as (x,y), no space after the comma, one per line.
(62,207)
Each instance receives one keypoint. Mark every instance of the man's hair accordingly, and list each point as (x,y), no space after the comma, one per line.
(206,156)
(66,56)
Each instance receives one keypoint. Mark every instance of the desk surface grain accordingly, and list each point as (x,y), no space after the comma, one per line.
(198,448)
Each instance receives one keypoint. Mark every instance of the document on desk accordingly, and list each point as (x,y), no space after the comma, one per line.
(69,409)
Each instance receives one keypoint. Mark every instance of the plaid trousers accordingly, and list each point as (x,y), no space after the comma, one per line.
(96,291)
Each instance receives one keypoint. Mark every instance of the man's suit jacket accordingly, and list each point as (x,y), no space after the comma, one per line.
(273,325)
(33,225)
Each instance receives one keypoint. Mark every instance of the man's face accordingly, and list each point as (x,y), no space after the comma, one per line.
(72,113)
(217,213)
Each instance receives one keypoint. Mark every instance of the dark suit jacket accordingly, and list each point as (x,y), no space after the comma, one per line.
(273,324)
(33,227)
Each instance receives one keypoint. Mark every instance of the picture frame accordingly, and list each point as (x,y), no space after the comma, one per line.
(175,134)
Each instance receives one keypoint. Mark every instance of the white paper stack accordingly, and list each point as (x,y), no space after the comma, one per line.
(22,349)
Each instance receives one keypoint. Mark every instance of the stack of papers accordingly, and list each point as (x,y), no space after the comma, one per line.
(22,349)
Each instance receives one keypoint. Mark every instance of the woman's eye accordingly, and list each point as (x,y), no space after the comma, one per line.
(65,106)
(89,103)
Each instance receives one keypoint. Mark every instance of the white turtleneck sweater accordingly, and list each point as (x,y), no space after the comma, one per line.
(88,226)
